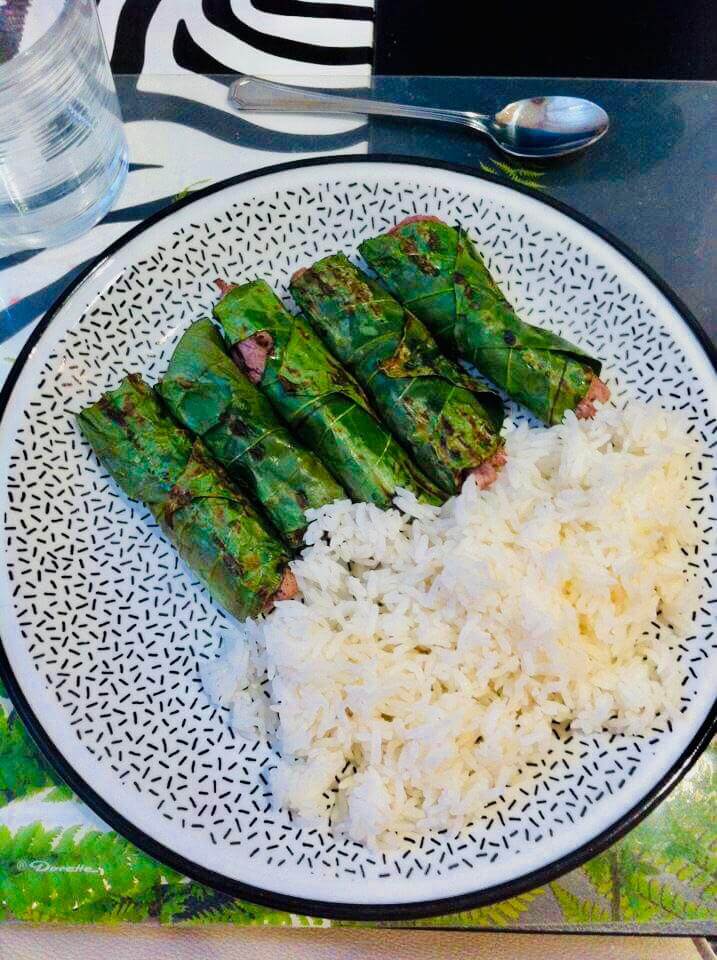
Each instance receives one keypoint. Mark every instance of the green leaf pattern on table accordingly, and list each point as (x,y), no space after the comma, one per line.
(23,769)
(509,170)
(664,871)
(579,910)
(507,913)
(185,191)
(195,905)
(58,794)
(76,876)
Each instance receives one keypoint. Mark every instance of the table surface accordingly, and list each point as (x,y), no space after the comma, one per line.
(651,183)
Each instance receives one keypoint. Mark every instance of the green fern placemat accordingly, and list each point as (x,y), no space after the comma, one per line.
(58,862)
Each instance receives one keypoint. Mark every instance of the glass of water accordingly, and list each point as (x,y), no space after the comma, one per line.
(63,152)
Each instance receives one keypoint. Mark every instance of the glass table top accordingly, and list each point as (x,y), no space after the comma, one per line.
(650,182)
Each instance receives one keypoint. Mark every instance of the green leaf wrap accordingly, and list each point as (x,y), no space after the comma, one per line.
(437,273)
(319,399)
(215,529)
(208,394)
(448,421)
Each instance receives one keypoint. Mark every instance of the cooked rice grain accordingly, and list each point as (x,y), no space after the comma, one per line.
(436,648)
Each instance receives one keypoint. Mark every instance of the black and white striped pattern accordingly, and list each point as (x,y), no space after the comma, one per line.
(269,37)
(180,127)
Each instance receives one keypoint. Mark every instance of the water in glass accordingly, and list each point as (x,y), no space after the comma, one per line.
(63,152)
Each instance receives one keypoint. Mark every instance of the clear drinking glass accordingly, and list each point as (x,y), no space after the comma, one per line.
(63,152)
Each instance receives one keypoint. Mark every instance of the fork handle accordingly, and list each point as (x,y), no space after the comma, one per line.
(251,93)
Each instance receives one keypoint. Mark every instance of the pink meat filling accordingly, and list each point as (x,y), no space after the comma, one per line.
(415,218)
(251,354)
(224,287)
(598,392)
(288,587)
(486,474)
(298,273)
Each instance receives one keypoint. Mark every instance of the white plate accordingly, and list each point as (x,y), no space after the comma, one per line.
(103,629)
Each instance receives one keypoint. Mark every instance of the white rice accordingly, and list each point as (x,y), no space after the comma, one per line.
(436,647)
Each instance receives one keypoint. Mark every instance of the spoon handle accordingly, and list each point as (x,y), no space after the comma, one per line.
(251,93)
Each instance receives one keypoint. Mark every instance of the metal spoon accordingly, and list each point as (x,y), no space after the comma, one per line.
(536,127)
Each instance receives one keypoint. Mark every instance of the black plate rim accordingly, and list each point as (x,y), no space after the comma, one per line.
(411,910)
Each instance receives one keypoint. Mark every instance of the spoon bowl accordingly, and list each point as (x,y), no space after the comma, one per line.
(548,126)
